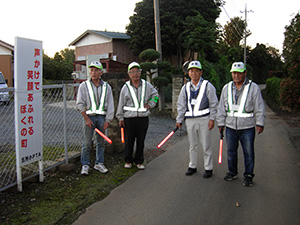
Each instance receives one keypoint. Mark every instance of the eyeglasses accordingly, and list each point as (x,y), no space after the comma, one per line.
(135,72)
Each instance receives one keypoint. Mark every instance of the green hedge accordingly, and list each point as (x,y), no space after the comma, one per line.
(290,94)
(273,91)
(283,94)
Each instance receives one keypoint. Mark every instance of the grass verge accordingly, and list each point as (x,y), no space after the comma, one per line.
(63,196)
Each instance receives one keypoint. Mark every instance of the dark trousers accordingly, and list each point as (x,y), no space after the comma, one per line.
(246,137)
(135,129)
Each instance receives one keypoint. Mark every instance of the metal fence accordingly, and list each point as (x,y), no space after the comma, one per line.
(62,131)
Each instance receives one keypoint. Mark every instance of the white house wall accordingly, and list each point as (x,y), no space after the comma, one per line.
(92,39)
(4,51)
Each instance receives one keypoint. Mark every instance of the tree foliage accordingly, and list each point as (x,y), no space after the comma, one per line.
(60,67)
(233,32)
(175,18)
(149,55)
(262,60)
(291,48)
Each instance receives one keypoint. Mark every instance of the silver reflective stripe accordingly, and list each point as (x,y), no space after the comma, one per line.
(196,111)
(136,105)
(93,109)
(240,112)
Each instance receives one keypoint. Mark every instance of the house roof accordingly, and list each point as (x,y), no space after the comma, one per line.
(5,45)
(109,34)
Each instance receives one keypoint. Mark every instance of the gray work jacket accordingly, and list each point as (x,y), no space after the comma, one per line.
(254,104)
(210,93)
(83,102)
(125,99)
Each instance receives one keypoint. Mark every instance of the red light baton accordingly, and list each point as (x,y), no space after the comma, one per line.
(102,135)
(166,138)
(221,146)
(122,135)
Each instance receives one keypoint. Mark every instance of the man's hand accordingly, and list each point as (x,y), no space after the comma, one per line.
(121,123)
(179,125)
(106,125)
(211,124)
(221,129)
(259,129)
(89,122)
(147,106)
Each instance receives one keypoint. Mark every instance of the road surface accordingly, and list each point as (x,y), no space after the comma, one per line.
(162,194)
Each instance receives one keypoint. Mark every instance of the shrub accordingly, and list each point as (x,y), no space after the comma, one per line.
(272,91)
(290,93)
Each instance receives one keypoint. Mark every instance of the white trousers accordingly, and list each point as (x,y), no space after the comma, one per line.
(199,134)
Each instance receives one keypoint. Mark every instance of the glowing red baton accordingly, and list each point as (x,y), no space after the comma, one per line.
(122,135)
(166,138)
(102,135)
(221,147)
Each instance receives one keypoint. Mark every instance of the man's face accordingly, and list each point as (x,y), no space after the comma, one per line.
(195,74)
(95,73)
(134,74)
(238,77)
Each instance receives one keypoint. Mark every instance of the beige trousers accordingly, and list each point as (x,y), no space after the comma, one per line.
(199,134)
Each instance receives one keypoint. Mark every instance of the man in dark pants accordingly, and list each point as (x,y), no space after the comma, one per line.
(137,97)
(241,109)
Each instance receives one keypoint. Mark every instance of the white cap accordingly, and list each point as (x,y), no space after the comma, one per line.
(133,64)
(195,64)
(238,67)
(96,64)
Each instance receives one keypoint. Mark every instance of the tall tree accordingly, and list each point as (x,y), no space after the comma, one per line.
(291,47)
(60,66)
(264,59)
(233,32)
(173,15)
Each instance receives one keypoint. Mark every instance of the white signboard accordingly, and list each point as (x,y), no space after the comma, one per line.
(28,100)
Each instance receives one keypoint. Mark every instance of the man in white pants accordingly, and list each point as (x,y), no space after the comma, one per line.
(197,104)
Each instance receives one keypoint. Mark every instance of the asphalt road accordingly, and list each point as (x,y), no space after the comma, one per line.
(162,194)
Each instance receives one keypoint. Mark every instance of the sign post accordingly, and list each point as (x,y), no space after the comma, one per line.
(28,105)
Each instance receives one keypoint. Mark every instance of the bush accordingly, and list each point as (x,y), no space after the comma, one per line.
(272,91)
(290,93)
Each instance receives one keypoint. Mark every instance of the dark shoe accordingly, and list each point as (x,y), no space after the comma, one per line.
(230,177)
(190,171)
(248,181)
(208,173)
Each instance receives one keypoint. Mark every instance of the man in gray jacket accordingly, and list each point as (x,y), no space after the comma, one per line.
(241,109)
(197,104)
(96,105)
(137,97)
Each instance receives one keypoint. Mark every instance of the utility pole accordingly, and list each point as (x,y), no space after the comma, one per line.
(245,35)
(157,28)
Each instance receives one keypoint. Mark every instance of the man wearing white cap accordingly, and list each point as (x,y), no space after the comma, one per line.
(95,102)
(137,97)
(241,109)
(197,104)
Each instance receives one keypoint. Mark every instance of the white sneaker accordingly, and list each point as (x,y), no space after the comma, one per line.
(127,165)
(85,170)
(100,167)
(140,166)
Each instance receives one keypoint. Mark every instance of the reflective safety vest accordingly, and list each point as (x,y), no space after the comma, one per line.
(94,109)
(137,106)
(238,110)
(197,111)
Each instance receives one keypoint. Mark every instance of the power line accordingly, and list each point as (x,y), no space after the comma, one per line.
(235,26)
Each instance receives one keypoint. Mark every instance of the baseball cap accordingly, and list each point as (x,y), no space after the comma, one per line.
(238,67)
(133,64)
(195,64)
(96,64)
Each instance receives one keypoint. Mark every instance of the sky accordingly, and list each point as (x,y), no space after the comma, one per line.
(59,22)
